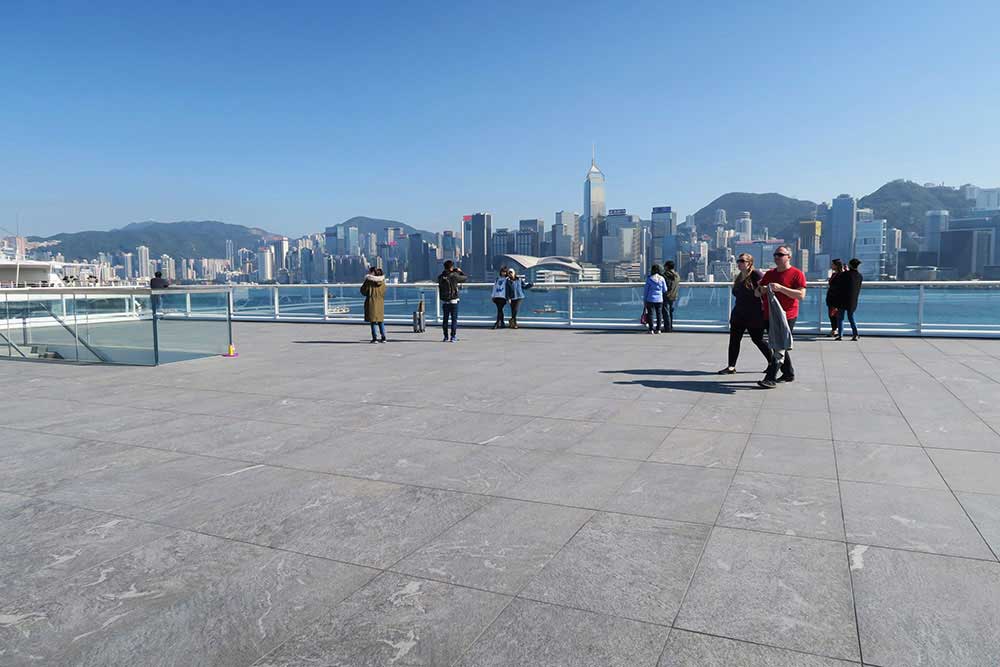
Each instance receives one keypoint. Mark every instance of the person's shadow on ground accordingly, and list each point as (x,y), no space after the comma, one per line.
(720,386)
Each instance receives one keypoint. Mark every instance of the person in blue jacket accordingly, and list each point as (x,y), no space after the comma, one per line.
(515,295)
(652,298)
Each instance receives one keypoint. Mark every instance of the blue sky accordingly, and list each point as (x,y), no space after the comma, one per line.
(292,116)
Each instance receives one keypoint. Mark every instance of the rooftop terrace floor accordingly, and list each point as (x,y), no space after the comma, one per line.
(529,497)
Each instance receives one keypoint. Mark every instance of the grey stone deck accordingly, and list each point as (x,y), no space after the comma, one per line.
(521,497)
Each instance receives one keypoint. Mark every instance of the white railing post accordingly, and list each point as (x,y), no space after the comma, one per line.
(920,312)
(326,302)
(187,304)
(437,306)
(569,306)
(277,309)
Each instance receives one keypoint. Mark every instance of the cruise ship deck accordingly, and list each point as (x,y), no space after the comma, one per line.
(533,497)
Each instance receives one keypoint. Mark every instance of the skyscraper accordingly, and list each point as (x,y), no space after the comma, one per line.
(265,264)
(935,222)
(535,226)
(810,236)
(231,254)
(870,248)
(744,227)
(594,210)
(663,227)
(843,214)
(281,247)
(479,234)
(142,261)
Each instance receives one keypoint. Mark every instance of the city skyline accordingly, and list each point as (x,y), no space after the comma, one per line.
(290,121)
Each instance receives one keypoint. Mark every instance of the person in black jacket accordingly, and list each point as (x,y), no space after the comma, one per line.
(748,313)
(832,294)
(448,283)
(851,289)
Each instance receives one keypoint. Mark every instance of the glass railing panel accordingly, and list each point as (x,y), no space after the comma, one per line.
(254,301)
(296,301)
(402,301)
(113,330)
(608,304)
(545,302)
(702,306)
(345,302)
(474,304)
(889,308)
(973,308)
(45,333)
(208,304)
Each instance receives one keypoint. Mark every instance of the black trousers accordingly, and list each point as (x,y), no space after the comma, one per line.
(449,310)
(668,314)
(654,309)
(515,304)
(786,366)
(500,303)
(736,332)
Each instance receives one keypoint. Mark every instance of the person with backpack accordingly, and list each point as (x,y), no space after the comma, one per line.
(374,289)
(448,281)
(652,299)
(673,291)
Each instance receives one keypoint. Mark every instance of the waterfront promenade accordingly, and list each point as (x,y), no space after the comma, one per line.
(533,497)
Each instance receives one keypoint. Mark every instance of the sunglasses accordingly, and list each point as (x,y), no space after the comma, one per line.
(741,261)
(781,254)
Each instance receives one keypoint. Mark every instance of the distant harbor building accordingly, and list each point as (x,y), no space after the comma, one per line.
(968,251)
(265,264)
(893,245)
(571,225)
(935,222)
(479,234)
(870,248)
(843,221)
(720,217)
(984,199)
(663,226)
(594,210)
(810,236)
(142,262)
(744,227)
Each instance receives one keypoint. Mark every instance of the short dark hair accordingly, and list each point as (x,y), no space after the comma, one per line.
(669,264)
(854,263)
(655,269)
(448,264)
(158,274)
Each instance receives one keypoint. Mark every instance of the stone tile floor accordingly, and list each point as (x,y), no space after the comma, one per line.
(570,498)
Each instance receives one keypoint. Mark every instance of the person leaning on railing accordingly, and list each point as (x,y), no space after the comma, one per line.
(673,290)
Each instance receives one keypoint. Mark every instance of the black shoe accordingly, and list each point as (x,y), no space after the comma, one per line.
(767,384)
(786,378)
(838,337)
(374,340)
(382,340)
(854,338)
(727,371)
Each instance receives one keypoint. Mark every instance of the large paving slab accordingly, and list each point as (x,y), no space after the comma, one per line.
(528,497)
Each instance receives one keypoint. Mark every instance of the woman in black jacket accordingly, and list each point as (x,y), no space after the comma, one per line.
(833,294)
(748,313)
(850,287)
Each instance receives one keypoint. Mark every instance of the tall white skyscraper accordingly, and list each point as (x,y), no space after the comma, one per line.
(142,261)
(594,211)
(744,226)
(870,248)
(231,253)
(265,264)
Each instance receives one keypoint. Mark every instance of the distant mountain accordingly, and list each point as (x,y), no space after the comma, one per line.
(368,225)
(780,214)
(903,204)
(205,238)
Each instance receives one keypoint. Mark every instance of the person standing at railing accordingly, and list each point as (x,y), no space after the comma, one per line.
(788,284)
(652,298)
(673,290)
(448,281)
(515,294)
(834,292)
(499,297)
(851,280)
(374,289)
(157,282)
(748,313)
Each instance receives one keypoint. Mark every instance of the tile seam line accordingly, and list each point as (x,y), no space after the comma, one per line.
(843,523)
(937,469)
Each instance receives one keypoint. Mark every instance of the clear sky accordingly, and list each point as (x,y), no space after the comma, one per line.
(295,115)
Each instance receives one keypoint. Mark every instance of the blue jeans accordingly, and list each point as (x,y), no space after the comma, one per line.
(840,323)
(378,326)
(449,309)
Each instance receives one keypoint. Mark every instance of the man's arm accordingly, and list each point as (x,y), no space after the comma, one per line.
(459,276)
(795,293)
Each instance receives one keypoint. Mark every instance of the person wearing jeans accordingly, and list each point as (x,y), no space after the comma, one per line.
(673,291)
(448,281)
(652,298)
(789,286)
(499,297)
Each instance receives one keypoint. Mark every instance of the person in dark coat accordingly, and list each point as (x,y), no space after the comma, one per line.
(748,313)
(374,289)
(833,294)
(851,289)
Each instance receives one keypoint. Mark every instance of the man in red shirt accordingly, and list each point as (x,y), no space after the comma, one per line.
(789,285)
